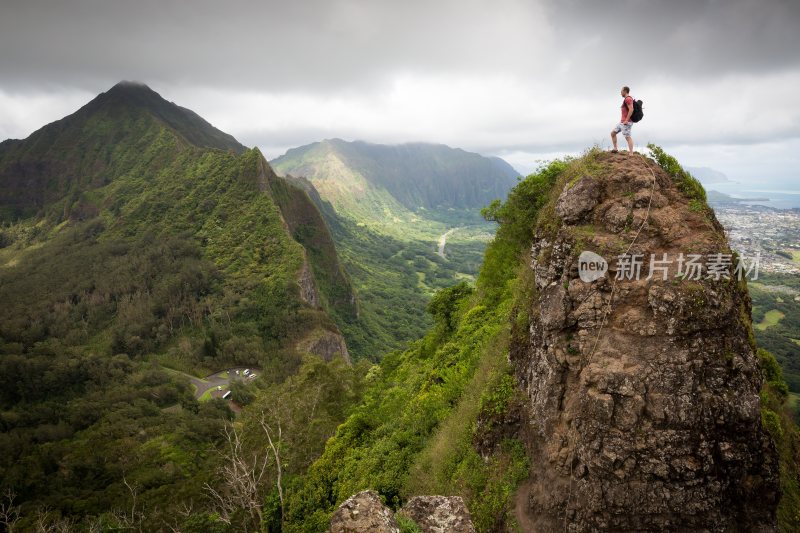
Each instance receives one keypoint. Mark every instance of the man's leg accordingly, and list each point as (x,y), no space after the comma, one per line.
(630,144)
(614,139)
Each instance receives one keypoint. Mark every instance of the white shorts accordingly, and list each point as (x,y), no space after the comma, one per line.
(624,128)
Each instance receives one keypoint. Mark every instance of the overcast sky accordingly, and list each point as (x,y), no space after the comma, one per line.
(524,80)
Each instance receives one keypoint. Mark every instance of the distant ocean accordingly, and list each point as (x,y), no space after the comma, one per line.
(777,198)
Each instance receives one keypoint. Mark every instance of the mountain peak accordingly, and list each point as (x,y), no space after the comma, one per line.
(187,123)
(35,170)
(128,85)
(132,92)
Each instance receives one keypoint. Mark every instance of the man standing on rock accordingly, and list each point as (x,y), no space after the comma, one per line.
(625,121)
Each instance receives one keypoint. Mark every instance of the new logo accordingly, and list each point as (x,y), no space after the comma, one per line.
(591,266)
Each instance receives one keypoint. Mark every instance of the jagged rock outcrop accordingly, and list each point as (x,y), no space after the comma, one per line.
(578,200)
(363,513)
(642,395)
(325,344)
(439,514)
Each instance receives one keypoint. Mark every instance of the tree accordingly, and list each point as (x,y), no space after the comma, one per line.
(241,481)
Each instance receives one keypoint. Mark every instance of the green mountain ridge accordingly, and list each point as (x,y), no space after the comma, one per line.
(135,236)
(127,164)
(417,175)
(385,185)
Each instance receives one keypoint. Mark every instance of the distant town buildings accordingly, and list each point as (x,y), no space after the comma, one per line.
(775,233)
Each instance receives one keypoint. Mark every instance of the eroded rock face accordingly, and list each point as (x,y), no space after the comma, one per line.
(654,422)
(308,286)
(363,513)
(578,200)
(325,344)
(439,514)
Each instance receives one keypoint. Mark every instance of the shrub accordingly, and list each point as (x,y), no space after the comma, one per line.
(687,183)
(517,217)
(496,400)
(772,373)
(407,524)
(772,423)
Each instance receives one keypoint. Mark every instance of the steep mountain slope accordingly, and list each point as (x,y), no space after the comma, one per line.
(393,280)
(674,421)
(406,222)
(308,227)
(148,237)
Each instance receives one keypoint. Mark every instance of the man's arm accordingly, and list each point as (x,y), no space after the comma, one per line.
(630,111)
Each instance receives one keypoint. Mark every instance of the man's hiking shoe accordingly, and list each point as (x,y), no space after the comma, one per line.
(614,151)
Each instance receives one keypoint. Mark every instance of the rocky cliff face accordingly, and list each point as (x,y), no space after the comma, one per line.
(642,395)
(325,344)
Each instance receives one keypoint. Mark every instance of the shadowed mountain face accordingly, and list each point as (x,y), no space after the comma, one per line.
(415,175)
(196,130)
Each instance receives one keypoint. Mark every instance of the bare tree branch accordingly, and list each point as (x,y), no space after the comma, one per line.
(9,513)
(278,466)
(241,481)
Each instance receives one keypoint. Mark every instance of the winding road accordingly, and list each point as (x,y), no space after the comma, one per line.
(220,379)
(443,241)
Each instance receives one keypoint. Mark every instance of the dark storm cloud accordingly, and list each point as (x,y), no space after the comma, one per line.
(341,45)
(267,45)
(516,77)
(684,37)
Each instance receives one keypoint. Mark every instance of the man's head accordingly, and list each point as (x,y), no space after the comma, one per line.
(625,91)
